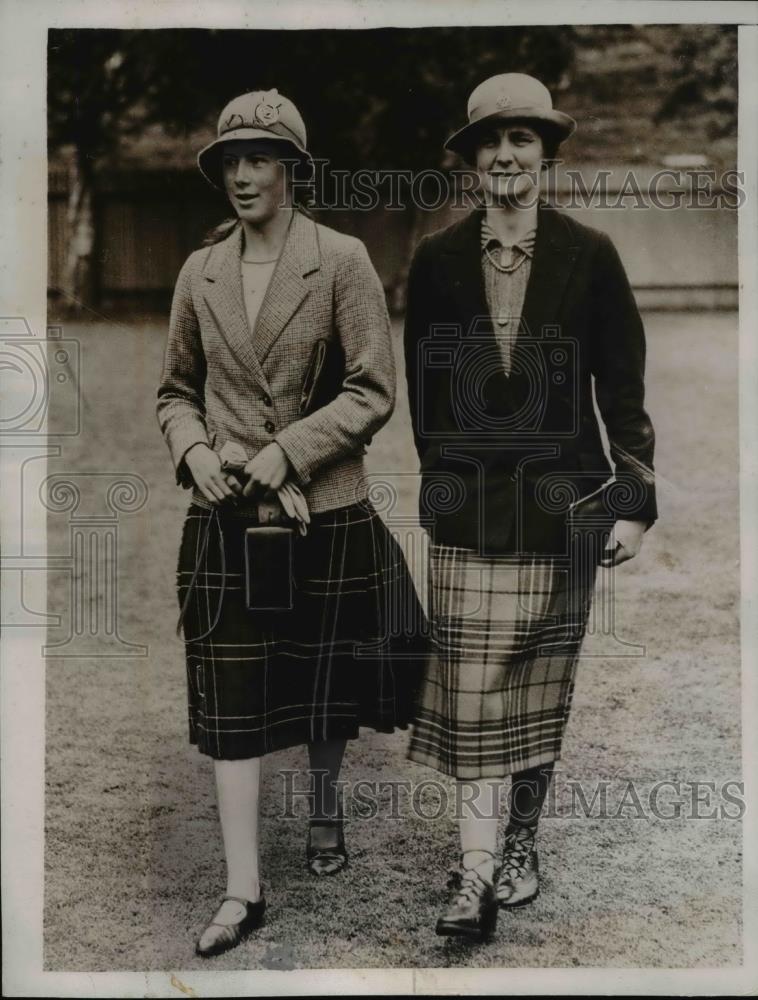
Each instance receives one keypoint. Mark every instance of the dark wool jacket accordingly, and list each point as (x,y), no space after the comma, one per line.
(503,456)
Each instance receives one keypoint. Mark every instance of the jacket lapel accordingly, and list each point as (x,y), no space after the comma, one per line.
(287,289)
(223,296)
(555,253)
(462,263)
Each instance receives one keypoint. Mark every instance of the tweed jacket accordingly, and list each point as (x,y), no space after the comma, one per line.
(223,382)
(502,456)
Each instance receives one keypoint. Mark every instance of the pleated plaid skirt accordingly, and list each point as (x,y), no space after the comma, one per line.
(506,632)
(350,653)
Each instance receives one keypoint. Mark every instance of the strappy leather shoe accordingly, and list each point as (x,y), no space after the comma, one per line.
(327,860)
(223,937)
(472,911)
(518,880)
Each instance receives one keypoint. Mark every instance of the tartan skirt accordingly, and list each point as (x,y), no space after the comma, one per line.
(506,632)
(350,653)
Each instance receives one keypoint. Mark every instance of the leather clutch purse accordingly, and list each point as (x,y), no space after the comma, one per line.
(323,378)
(593,509)
(591,520)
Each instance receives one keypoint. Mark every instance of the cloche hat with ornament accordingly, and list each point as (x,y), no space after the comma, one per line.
(509,96)
(262,114)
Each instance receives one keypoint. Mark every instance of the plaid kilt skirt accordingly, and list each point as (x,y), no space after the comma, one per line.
(350,653)
(506,632)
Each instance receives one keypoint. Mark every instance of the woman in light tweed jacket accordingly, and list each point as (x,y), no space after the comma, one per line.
(248,312)
(512,313)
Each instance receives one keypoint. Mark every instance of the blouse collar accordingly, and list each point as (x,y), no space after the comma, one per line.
(490,239)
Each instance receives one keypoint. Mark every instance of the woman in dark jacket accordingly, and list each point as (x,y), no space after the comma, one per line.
(278,371)
(512,312)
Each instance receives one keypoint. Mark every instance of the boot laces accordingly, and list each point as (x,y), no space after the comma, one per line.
(519,844)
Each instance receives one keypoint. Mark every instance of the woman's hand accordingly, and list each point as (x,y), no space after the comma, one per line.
(205,467)
(625,542)
(267,470)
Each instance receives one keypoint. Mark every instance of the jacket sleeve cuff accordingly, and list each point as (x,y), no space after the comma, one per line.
(293,441)
(646,510)
(180,445)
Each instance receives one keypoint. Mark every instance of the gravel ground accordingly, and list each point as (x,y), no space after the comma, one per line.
(133,855)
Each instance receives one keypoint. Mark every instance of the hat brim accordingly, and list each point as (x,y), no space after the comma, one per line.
(560,124)
(209,158)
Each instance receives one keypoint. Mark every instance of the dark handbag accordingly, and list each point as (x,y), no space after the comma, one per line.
(269,559)
(591,519)
(324,376)
(269,577)
(593,508)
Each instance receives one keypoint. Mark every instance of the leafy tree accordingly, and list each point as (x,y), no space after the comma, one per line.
(703,82)
(104,86)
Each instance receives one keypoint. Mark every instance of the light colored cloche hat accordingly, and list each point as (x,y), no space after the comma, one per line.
(505,96)
(261,114)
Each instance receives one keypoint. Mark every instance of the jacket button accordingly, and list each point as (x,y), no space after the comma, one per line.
(267,401)
(270,426)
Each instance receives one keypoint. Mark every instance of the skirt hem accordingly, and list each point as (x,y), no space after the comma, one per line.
(482,773)
(348,734)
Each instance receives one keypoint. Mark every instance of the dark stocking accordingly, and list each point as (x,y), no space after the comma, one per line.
(528,792)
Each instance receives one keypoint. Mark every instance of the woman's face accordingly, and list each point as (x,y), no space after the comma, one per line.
(508,161)
(255,180)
